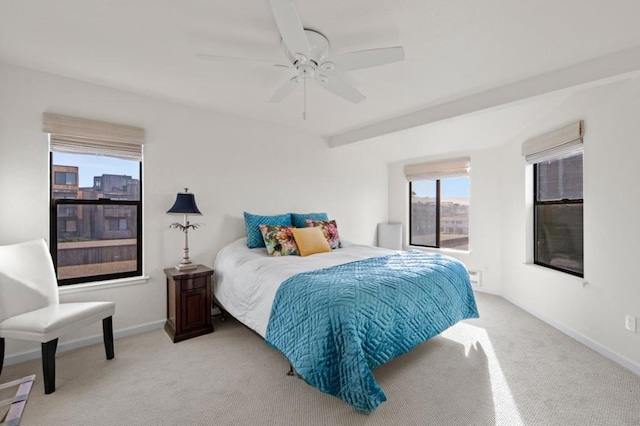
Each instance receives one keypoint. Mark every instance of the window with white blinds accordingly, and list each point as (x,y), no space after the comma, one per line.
(557,159)
(439,203)
(96,198)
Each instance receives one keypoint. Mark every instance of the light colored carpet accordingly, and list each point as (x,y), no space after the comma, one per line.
(506,368)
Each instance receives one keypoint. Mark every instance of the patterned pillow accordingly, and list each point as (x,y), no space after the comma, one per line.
(330,231)
(279,240)
(299,220)
(253,221)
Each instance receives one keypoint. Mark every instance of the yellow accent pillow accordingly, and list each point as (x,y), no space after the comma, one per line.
(310,240)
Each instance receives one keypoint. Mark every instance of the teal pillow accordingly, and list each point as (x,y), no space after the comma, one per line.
(299,220)
(253,222)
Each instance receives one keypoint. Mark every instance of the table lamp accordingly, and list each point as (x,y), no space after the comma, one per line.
(185,204)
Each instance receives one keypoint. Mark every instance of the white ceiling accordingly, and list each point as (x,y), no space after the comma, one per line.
(455,49)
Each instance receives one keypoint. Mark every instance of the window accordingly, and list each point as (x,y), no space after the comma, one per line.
(70,226)
(439,204)
(439,215)
(558,198)
(115,224)
(96,199)
(64,178)
(558,219)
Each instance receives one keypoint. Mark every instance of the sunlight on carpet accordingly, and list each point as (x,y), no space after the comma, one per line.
(477,339)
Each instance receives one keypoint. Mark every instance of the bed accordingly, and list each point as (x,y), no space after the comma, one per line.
(336,316)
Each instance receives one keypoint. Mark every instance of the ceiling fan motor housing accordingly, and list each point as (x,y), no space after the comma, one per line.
(307,62)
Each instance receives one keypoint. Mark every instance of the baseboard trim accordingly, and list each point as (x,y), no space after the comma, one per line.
(591,344)
(481,289)
(86,341)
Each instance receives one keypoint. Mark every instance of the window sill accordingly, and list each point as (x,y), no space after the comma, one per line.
(569,277)
(101,285)
(438,250)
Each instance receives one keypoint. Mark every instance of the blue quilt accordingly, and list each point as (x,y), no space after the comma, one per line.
(336,325)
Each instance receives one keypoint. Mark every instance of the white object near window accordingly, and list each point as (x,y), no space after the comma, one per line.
(83,136)
(475,277)
(437,169)
(562,142)
(390,236)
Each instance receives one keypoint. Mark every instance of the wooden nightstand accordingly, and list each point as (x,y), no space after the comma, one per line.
(188,303)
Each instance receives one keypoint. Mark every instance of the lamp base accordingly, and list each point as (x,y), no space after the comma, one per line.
(186,266)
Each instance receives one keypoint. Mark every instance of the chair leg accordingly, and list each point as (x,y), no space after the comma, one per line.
(49,365)
(1,353)
(107,331)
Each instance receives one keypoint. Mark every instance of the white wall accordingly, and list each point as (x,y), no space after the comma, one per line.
(231,165)
(484,211)
(501,216)
(594,313)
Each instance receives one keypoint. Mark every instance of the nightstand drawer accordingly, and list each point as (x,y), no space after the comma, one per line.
(193,283)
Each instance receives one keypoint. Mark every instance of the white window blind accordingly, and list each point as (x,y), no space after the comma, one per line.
(80,135)
(558,143)
(437,169)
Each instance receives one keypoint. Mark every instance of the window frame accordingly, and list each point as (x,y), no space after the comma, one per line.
(564,201)
(437,215)
(53,230)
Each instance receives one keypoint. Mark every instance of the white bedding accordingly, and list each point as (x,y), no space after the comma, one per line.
(247,279)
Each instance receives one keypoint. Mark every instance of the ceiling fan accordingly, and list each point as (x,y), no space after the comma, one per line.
(308,52)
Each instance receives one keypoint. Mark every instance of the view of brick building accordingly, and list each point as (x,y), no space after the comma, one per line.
(94,239)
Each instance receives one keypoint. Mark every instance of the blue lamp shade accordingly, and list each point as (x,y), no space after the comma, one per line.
(185,204)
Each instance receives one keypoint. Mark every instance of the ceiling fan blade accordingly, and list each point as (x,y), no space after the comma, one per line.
(290,26)
(232,59)
(365,58)
(340,87)
(285,89)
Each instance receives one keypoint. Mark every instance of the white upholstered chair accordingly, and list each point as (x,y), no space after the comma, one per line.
(30,309)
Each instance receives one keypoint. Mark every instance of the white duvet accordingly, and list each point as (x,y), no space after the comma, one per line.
(246,280)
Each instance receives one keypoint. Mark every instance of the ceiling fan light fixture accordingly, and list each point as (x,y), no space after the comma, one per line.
(301,58)
(328,66)
(323,78)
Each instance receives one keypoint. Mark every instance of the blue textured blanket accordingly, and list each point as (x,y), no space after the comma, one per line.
(336,325)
